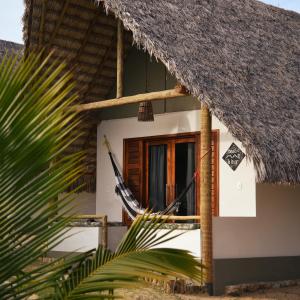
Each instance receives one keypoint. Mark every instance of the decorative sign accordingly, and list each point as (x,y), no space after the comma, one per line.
(234,156)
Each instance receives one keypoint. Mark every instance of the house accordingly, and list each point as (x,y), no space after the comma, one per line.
(240,58)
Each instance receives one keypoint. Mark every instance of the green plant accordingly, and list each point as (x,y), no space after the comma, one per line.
(135,259)
(36,126)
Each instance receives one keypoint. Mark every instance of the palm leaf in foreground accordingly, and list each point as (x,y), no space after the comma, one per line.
(35,128)
(134,261)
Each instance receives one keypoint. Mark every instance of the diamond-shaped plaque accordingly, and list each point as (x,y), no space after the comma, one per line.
(234,156)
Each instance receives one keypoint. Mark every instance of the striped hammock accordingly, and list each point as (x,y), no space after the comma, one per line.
(131,205)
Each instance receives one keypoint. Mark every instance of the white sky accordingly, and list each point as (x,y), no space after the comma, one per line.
(11,13)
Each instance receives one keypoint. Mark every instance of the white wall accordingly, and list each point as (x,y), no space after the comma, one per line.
(81,239)
(274,232)
(189,240)
(237,188)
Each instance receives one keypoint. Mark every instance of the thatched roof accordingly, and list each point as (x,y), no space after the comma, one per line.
(9,48)
(240,57)
(82,35)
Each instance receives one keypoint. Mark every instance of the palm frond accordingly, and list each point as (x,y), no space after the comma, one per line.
(134,260)
(35,127)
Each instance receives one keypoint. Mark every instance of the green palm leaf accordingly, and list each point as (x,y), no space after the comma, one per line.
(35,127)
(133,262)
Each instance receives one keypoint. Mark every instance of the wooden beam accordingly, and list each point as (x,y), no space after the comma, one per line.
(161,95)
(120,59)
(104,233)
(205,197)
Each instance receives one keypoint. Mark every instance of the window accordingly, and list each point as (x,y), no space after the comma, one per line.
(157,169)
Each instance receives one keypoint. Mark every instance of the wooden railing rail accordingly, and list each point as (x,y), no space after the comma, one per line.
(176,218)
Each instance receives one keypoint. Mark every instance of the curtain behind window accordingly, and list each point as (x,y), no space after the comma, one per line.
(185,168)
(190,196)
(157,177)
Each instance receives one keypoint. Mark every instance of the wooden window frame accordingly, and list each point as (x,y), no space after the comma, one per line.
(165,139)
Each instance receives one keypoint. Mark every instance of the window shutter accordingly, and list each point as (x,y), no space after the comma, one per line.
(133,169)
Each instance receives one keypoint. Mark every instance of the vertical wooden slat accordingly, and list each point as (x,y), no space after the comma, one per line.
(104,234)
(170,171)
(133,167)
(120,59)
(205,196)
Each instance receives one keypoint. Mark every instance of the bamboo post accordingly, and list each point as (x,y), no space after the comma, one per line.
(120,60)
(153,96)
(205,198)
(104,232)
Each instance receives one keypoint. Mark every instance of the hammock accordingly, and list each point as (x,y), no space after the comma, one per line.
(130,204)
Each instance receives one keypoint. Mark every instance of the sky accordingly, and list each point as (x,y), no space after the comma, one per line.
(11,13)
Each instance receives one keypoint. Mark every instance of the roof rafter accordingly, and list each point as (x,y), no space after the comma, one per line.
(58,23)
(99,69)
(86,37)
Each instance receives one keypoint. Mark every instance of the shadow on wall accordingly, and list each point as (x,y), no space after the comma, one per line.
(274,232)
(184,124)
(263,248)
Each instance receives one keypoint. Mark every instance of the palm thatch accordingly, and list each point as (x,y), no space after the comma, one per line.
(7,47)
(85,38)
(242,58)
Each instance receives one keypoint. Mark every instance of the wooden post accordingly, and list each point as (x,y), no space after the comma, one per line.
(120,60)
(153,96)
(205,197)
(104,232)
